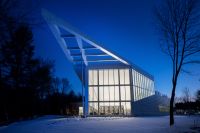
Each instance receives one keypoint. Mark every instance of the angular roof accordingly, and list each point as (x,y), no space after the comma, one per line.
(75,45)
(80,50)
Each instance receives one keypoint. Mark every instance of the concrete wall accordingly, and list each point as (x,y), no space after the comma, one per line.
(151,106)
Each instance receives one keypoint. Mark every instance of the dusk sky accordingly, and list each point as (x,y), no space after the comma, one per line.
(126,27)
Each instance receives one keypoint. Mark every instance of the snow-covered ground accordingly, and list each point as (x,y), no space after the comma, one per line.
(57,124)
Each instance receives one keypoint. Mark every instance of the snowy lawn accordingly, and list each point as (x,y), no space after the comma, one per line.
(56,124)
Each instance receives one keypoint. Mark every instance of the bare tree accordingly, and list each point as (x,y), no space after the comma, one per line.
(198,95)
(177,100)
(186,95)
(56,85)
(65,85)
(178,22)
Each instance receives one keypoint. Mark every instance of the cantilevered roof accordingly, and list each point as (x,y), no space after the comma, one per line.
(80,50)
(77,47)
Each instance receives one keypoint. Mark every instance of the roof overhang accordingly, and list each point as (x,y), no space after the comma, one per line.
(83,49)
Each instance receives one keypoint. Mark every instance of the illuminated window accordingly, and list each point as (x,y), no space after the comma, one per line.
(105,77)
(126,76)
(100,77)
(95,77)
(116,89)
(111,77)
(93,93)
(93,108)
(116,77)
(122,74)
(101,94)
(90,77)
(109,91)
(112,93)
(106,93)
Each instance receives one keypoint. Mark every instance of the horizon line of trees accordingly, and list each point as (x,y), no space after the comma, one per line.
(186,104)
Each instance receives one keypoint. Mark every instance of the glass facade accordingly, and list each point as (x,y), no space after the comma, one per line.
(111,91)
(142,86)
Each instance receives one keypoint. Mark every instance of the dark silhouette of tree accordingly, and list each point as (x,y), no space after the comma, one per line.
(27,81)
(65,85)
(27,86)
(41,78)
(18,57)
(187,108)
(56,83)
(186,95)
(61,100)
(64,104)
(16,62)
(178,23)
(198,96)
(18,95)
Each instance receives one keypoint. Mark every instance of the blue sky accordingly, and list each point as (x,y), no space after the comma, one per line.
(126,27)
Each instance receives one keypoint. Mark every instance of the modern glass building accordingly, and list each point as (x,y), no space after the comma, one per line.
(112,90)
(112,86)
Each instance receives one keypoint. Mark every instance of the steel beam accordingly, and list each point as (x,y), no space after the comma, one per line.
(80,45)
(67,36)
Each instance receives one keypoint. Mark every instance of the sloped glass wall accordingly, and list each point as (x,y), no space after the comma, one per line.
(142,86)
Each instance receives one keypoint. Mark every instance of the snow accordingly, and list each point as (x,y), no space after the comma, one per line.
(59,124)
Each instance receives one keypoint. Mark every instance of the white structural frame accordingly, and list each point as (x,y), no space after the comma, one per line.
(84,64)
(55,22)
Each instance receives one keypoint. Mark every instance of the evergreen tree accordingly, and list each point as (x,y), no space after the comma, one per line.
(18,57)
(27,80)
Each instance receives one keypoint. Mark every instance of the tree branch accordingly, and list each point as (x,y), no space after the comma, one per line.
(192,62)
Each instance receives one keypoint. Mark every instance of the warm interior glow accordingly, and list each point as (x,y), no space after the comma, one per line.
(110,90)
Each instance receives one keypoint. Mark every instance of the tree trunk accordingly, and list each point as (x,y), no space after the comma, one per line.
(172,104)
